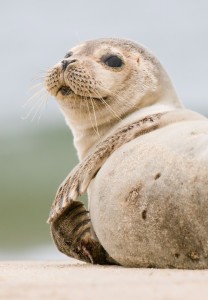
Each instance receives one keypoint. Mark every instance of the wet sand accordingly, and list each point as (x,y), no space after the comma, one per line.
(73,280)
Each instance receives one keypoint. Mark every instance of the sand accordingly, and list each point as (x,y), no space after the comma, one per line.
(71,280)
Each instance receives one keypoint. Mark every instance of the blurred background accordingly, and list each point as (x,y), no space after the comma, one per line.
(37,153)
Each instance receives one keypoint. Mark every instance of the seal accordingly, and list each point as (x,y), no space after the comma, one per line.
(143,161)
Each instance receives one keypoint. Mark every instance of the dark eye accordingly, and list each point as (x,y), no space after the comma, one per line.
(68,54)
(113,61)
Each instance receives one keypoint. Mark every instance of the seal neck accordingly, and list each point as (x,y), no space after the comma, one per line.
(86,140)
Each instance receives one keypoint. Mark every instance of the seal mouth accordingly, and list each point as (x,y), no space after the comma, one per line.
(66,91)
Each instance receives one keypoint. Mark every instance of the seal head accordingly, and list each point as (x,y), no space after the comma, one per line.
(100,82)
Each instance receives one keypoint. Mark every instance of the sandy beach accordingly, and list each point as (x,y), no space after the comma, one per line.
(73,280)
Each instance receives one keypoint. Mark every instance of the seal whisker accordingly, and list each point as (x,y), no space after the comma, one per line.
(37,107)
(92,104)
(40,75)
(102,100)
(43,106)
(94,113)
(86,101)
(32,109)
(31,99)
(118,97)
(36,86)
(38,110)
(80,104)
(107,105)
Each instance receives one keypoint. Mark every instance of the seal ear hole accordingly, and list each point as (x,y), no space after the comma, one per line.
(138,60)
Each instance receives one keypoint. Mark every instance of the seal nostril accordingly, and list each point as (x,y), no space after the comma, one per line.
(67,62)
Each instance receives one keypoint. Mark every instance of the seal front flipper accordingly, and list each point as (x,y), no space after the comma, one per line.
(72,187)
(73,235)
(79,179)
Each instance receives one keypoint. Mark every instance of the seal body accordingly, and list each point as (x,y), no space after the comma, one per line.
(143,160)
(149,201)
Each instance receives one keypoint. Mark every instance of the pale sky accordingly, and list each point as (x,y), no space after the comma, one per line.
(35,34)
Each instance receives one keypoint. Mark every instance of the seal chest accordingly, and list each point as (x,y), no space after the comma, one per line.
(143,160)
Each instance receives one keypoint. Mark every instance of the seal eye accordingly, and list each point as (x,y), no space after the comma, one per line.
(70,53)
(113,61)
